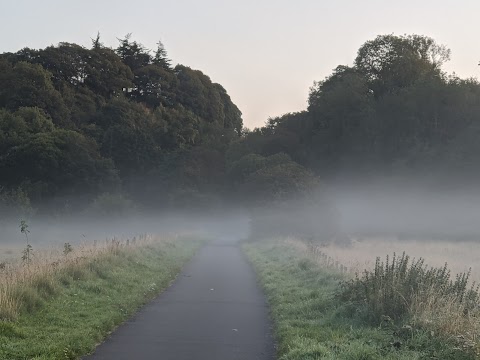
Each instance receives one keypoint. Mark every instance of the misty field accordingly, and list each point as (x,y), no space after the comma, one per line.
(398,309)
(9,253)
(62,302)
(460,256)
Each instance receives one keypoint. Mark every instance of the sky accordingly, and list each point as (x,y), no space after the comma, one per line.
(266,53)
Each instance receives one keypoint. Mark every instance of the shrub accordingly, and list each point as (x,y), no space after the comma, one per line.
(14,203)
(311,219)
(67,248)
(395,285)
(111,204)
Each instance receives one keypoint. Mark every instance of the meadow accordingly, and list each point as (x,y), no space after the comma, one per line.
(461,256)
(390,309)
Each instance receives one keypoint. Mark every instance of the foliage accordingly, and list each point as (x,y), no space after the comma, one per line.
(27,254)
(28,250)
(392,62)
(24,229)
(394,112)
(86,121)
(30,85)
(67,248)
(14,203)
(276,178)
(312,219)
(111,204)
(392,287)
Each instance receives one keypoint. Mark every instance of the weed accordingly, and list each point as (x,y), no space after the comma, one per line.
(27,254)
(24,229)
(67,248)
(28,251)
(393,286)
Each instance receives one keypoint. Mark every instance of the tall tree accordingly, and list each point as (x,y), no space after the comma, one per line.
(391,62)
(96,43)
(30,85)
(132,53)
(161,58)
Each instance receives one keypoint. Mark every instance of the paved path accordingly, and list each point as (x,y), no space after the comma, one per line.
(213,311)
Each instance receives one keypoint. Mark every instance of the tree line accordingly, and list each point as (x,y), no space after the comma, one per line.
(395,112)
(113,126)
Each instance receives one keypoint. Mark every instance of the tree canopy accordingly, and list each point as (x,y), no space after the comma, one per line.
(395,111)
(78,122)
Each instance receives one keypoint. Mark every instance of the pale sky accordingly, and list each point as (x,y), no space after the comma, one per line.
(266,53)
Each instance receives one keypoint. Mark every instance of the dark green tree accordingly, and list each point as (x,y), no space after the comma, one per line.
(391,62)
(30,85)
(161,57)
(132,53)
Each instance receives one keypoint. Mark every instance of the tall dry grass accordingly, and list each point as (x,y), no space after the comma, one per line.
(23,286)
(445,316)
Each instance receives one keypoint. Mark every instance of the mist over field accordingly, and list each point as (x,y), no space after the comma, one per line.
(376,209)
(408,212)
(116,141)
(54,232)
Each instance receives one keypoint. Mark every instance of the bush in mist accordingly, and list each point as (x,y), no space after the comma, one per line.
(394,286)
(282,195)
(111,204)
(192,199)
(14,203)
(313,219)
(260,181)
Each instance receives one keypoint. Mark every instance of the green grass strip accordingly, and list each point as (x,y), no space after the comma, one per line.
(312,323)
(93,302)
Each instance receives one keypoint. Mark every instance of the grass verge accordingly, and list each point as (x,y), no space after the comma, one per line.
(312,322)
(73,306)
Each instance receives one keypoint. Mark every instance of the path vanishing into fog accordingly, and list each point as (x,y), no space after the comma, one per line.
(213,311)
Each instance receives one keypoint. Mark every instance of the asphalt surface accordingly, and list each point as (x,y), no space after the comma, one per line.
(213,311)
